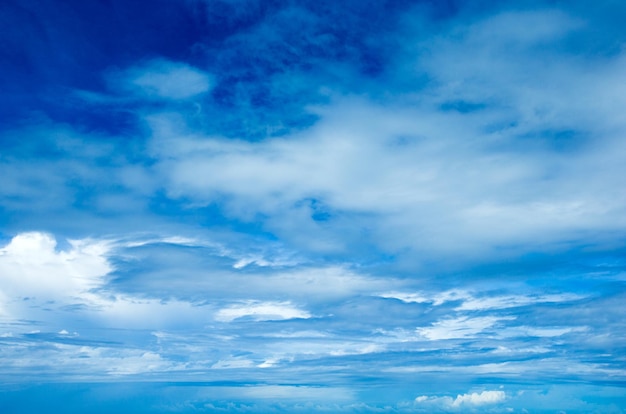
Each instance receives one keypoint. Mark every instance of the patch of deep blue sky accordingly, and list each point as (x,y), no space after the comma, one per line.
(51,49)
(238,244)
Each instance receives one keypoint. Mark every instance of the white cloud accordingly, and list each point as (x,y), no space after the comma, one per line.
(290,349)
(459,198)
(139,362)
(464,400)
(315,283)
(298,334)
(127,311)
(38,280)
(269,363)
(485,397)
(474,301)
(81,361)
(359,350)
(261,311)
(461,327)
(32,266)
(392,174)
(511,301)
(163,79)
(233,363)
(436,181)
(298,283)
(503,350)
(538,366)
(73,281)
(541,332)
(421,297)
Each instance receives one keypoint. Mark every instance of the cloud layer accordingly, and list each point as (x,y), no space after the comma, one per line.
(248,206)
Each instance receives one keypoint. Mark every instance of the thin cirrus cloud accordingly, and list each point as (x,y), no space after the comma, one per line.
(313,207)
(470,302)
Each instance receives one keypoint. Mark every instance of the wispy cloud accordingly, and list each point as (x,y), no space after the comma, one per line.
(162,79)
(462,327)
(476,301)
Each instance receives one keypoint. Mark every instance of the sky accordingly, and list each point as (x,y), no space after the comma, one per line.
(237,206)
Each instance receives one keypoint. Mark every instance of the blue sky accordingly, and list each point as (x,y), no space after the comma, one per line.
(213,206)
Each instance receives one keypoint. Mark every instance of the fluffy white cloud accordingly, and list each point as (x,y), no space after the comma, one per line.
(464,400)
(40,281)
(485,397)
(32,266)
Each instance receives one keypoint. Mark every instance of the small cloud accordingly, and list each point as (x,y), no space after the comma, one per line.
(268,363)
(485,397)
(232,363)
(462,327)
(549,332)
(470,302)
(512,301)
(164,80)
(243,262)
(421,297)
(65,332)
(362,350)
(261,311)
(139,363)
(464,400)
